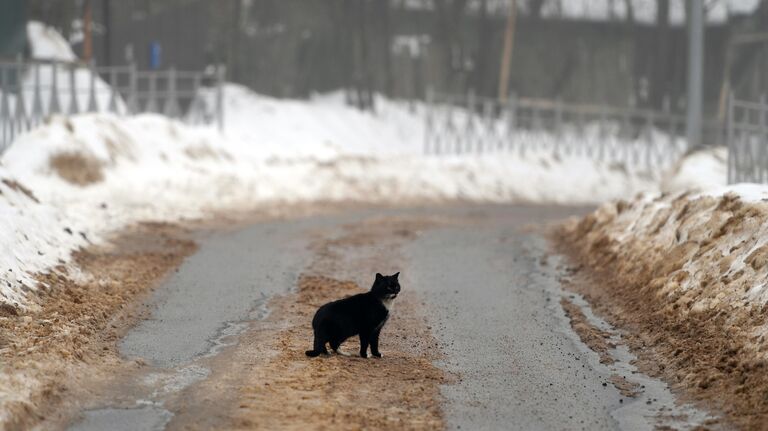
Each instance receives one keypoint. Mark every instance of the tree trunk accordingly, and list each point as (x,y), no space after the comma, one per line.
(661,79)
(506,54)
(383,12)
(481,51)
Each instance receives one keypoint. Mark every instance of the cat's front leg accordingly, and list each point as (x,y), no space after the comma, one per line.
(375,343)
(363,345)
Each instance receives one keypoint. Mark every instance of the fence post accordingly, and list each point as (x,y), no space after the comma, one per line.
(558,126)
(133,97)
(487,123)
(535,124)
(37,97)
(92,104)
(511,119)
(428,107)
(558,116)
(729,130)
(21,108)
(151,105)
(5,114)
(73,105)
(112,106)
(469,126)
(603,134)
(171,106)
(648,132)
(666,108)
(53,106)
(451,137)
(629,130)
(220,77)
(761,165)
(196,111)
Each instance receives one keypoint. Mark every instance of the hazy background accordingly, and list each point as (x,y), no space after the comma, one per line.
(614,52)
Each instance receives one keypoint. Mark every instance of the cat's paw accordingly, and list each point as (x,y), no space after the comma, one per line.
(364,355)
(376,354)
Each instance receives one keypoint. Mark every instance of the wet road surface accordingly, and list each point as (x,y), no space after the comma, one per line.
(492,298)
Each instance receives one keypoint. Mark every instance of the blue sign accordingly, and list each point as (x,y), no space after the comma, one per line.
(155,55)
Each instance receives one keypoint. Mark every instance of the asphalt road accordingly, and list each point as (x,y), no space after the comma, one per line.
(492,299)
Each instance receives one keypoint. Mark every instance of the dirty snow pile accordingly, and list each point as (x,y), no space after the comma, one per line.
(701,170)
(96,173)
(703,252)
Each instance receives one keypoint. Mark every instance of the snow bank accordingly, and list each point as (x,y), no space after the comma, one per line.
(33,237)
(644,11)
(701,253)
(698,171)
(321,127)
(47,44)
(92,174)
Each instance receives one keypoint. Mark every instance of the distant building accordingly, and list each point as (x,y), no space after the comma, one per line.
(13,29)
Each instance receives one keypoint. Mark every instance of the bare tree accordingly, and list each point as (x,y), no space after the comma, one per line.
(482,53)
(536,8)
(382,11)
(448,42)
(660,81)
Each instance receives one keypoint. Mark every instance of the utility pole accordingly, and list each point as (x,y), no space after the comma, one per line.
(87,32)
(107,20)
(695,72)
(506,54)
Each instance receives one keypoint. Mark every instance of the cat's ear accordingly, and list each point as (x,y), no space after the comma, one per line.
(396,274)
(379,276)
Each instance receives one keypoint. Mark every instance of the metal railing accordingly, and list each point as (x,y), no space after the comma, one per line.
(31,91)
(747,139)
(641,139)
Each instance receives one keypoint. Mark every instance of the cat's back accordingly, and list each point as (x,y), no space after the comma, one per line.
(361,303)
(341,305)
(354,302)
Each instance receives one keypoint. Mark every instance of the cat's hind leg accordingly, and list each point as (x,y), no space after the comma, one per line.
(335,345)
(319,347)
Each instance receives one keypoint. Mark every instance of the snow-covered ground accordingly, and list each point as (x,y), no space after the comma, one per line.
(698,171)
(96,173)
(643,11)
(74,180)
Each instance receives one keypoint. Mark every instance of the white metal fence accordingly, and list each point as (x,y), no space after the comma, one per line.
(638,138)
(31,91)
(747,138)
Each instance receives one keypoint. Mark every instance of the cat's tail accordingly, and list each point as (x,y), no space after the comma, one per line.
(313,353)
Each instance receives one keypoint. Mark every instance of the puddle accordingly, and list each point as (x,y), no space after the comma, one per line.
(180,378)
(147,418)
(663,409)
(655,406)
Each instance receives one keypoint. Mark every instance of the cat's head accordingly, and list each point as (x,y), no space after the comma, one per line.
(386,286)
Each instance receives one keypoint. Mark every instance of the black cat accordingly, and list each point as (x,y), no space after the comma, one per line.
(363,314)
